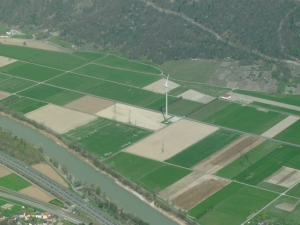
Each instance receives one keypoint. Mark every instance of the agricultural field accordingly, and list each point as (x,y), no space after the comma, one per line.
(6,61)
(258,171)
(190,70)
(177,91)
(295,191)
(245,118)
(283,98)
(275,108)
(183,107)
(117,75)
(285,210)
(30,71)
(204,148)
(51,94)
(231,205)
(14,84)
(21,104)
(209,109)
(111,90)
(118,62)
(58,60)
(290,134)
(13,182)
(4,77)
(103,136)
(205,88)
(89,55)
(197,96)
(151,175)
(159,86)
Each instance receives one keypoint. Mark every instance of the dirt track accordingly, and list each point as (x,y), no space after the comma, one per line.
(32,44)
(228,154)
(89,104)
(171,140)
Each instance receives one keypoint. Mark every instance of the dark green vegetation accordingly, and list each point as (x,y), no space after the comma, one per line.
(283,98)
(209,109)
(3,77)
(256,172)
(190,70)
(90,55)
(231,205)
(32,72)
(20,148)
(20,104)
(118,75)
(204,148)
(295,191)
(275,108)
(242,163)
(149,174)
(177,91)
(279,216)
(53,59)
(14,84)
(183,107)
(245,118)
(290,134)
(111,90)
(51,94)
(102,136)
(57,202)
(13,182)
(115,61)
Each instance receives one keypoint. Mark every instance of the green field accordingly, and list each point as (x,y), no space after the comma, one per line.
(14,84)
(4,77)
(118,62)
(116,75)
(183,107)
(30,71)
(13,182)
(102,136)
(245,118)
(150,174)
(284,155)
(53,59)
(246,160)
(295,191)
(111,90)
(231,205)
(21,104)
(209,109)
(290,134)
(279,216)
(190,70)
(177,91)
(204,148)
(275,108)
(283,98)
(90,55)
(51,94)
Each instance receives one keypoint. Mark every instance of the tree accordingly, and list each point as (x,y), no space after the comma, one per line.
(98,190)
(24,43)
(64,169)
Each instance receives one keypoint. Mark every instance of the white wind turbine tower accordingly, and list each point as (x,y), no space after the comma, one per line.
(166,86)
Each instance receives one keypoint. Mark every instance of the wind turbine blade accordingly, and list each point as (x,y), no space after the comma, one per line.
(166,85)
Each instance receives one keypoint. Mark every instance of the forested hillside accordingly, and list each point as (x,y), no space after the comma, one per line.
(161,30)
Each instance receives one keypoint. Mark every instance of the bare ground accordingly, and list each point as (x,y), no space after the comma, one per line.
(89,104)
(32,44)
(285,177)
(287,206)
(51,173)
(159,86)
(196,96)
(3,94)
(37,193)
(59,119)
(228,154)
(7,206)
(134,115)
(5,61)
(171,140)
(4,172)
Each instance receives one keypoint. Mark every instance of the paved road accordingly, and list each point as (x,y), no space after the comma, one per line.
(40,178)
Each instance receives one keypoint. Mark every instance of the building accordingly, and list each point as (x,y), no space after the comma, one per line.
(226,96)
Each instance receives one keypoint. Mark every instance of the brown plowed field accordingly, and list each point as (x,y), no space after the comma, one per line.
(37,193)
(285,177)
(198,193)
(3,94)
(228,154)
(4,172)
(89,104)
(5,61)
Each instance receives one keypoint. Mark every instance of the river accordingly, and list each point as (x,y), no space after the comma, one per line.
(84,172)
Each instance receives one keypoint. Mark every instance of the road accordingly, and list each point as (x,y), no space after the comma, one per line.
(58,189)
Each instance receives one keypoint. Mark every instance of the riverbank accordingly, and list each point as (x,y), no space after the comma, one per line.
(89,162)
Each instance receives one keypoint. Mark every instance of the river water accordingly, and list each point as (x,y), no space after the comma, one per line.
(84,172)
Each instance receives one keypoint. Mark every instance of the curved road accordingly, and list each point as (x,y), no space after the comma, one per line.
(17,165)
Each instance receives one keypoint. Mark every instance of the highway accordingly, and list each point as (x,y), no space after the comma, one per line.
(40,178)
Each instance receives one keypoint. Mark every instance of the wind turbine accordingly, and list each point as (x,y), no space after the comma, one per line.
(166,86)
